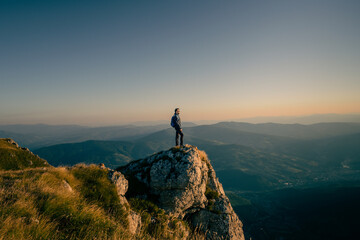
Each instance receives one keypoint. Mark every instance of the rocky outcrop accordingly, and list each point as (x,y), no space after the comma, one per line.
(10,141)
(121,184)
(183,182)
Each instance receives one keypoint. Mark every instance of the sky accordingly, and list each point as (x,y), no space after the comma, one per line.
(117,62)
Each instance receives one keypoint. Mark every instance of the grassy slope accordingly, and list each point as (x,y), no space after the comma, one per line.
(79,202)
(15,158)
(36,204)
(76,202)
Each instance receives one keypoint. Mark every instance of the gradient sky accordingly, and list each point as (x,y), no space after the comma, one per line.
(114,62)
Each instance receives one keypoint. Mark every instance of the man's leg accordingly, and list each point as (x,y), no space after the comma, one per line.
(177,138)
(181,138)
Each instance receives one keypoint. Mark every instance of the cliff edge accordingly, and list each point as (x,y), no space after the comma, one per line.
(183,183)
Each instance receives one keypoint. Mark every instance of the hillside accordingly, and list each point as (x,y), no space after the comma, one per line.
(14,157)
(59,203)
(328,212)
(111,153)
(95,202)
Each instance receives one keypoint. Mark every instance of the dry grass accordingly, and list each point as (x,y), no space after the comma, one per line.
(5,145)
(35,204)
(203,155)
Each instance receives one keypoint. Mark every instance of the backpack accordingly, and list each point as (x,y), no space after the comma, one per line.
(172,122)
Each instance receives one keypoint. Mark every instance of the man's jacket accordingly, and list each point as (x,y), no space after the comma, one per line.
(176,121)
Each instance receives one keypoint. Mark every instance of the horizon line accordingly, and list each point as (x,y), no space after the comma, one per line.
(204,121)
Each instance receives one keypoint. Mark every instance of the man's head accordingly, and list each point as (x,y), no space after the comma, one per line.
(177,110)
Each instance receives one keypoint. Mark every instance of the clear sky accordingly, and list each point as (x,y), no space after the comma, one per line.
(114,62)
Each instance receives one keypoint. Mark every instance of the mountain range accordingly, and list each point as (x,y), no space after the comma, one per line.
(245,156)
(41,135)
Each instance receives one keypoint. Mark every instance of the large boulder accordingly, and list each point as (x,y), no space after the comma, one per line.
(183,182)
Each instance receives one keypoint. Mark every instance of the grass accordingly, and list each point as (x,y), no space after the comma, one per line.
(15,158)
(34,204)
(211,196)
(97,189)
(156,223)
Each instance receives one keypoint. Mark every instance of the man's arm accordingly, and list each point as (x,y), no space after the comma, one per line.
(178,123)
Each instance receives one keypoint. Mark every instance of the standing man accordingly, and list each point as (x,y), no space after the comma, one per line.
(176,123)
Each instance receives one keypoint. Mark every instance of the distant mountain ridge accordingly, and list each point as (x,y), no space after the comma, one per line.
(307,119)
(41,135)
(299,131)
(239,157)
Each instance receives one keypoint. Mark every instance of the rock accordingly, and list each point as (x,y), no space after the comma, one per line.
(121,184)
(25,149)
(183,182)
(9,140)
(67,186)
(222,222)
(35,220)
(134,222)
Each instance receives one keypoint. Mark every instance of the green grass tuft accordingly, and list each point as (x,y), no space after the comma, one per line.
(156,223)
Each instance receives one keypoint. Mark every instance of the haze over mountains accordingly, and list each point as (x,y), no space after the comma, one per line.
(36,136)
(292,154)
(308,119)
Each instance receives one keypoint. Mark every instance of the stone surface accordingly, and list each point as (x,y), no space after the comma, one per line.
(134,222)
(121,184)
(67,186)
(9,140)
(183,182)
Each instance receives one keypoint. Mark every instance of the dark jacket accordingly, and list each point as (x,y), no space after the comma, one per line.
(176,121)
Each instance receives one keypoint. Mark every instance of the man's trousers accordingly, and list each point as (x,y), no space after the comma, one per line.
(178,132)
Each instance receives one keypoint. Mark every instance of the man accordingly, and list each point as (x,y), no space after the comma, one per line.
(176,123)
